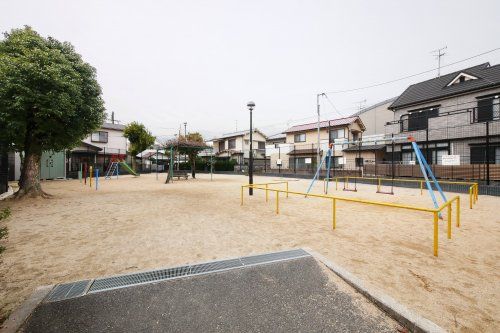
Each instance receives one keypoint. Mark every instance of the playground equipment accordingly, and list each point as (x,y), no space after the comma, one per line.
(473,187)
(114,168)
(334,199)
(422,162)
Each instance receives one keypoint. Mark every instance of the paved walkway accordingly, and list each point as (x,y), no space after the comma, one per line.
(293,295)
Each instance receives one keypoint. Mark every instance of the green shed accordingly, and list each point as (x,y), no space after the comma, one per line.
(53,165)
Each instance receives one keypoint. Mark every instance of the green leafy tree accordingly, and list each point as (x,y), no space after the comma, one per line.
(49,100)
(191,145)
(140,139)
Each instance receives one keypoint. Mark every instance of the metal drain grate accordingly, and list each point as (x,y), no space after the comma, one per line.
(75,289)
(272,257)
(138,278)
(68,290)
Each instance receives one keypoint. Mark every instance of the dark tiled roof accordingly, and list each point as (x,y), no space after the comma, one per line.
(325,123)
(303,152)
(437,88)
(118,127)
(276,136)
(365,148)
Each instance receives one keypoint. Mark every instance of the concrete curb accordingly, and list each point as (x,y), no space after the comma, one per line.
(19,316)
(397,311)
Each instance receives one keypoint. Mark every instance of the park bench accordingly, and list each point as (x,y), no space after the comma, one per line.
(180,174)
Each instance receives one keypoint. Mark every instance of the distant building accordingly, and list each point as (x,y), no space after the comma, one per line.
(236,145)
(304,138)
(99,147)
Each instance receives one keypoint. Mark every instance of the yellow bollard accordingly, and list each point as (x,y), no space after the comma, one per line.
(436,219)
(449,220)
(287,189)
(379,184)
(421,187)
(458,211)
(90,176)
(334,214)
(241,196)
(277,202)
(470,198)
(267,194)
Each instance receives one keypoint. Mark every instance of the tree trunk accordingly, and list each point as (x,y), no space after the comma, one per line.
(134,163)
(29,183)
(193,167)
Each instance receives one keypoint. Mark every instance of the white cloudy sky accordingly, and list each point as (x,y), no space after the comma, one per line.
(166,62)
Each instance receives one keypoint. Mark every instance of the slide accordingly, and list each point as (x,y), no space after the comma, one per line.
(128,168)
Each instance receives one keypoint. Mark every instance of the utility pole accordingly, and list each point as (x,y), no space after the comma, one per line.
(438,54)
(319,119)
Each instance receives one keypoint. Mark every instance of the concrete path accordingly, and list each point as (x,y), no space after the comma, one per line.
(286,296)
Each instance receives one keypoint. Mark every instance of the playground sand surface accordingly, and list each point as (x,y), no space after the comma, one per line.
(134,224)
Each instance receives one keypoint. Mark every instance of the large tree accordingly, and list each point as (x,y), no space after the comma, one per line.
(49,100)
(140,139)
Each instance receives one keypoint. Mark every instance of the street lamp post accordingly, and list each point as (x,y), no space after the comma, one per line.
(250,106)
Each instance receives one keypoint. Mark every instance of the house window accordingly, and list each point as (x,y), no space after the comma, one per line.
(261,145)
(222,145)
(231,143)
(99,136)
(418,120)
(299,137)
(359,161)
(337,134)
(433,153)
(478,155)
(488,109)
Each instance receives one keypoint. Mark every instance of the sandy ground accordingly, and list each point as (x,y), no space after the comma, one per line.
(134,224)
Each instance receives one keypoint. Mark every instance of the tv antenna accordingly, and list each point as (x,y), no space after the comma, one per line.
(438,54)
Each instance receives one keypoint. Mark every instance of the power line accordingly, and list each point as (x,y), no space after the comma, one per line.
(412,75)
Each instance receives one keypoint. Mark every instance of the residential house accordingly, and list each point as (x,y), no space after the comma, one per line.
(373,148)
(236,146)
(99,148)
(454,114)
(304,138)
(276,151)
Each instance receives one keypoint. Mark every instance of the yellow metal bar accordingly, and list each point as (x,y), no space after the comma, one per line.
(241,196)
(277,202)
(90,178)
(449,220)
(267,194)
(436,235)
(458,211)
(334,213)
(287,189)
(379,184)
(379,203)
(421,187)
(470,198)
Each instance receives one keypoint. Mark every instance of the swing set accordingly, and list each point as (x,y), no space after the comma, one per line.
(429,178)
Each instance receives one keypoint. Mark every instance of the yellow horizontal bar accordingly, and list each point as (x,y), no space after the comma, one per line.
(379,203)
(408,180)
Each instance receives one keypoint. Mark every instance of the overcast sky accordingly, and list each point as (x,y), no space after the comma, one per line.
(166,62)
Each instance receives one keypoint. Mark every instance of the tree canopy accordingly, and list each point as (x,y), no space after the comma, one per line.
(49,99)
(139,136)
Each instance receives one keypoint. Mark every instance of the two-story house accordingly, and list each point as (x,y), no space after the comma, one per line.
(454,114)
(99,147)
(236,146)
(304,138)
